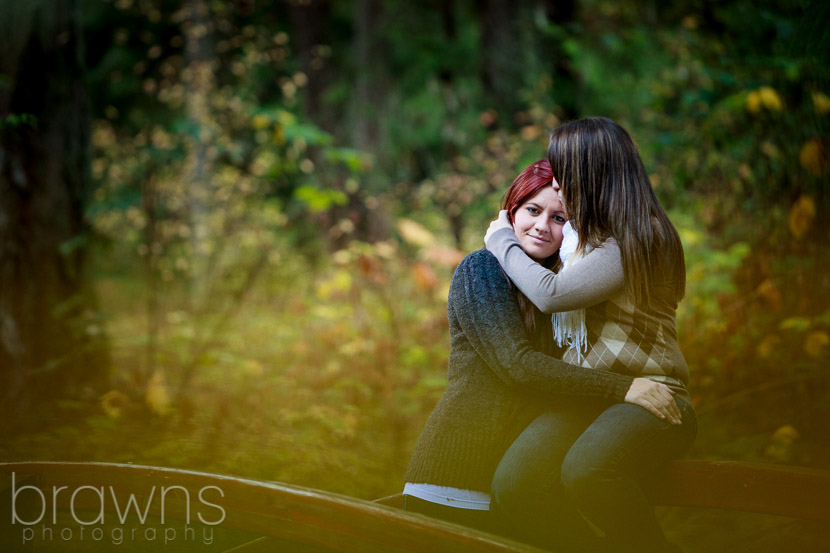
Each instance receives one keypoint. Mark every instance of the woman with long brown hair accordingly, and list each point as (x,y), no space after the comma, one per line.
(591,457)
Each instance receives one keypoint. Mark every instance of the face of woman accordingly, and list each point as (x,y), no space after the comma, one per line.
(538,224)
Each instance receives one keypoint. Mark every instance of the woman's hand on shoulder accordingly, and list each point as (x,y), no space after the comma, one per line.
(657,398)
(498,224)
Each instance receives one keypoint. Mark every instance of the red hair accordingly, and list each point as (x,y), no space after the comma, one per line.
(535,177)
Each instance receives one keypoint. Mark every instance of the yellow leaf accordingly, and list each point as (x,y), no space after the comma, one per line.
(821,103)
(770,293)
(286,117)
(813,157)
(770,98)
(690,237)
(260,121)
(337,283)
(802,214)
(780,447)
(441,293)
(766,348)
(342,280)
(279,136)
(795,323)
(786,433)
(815,343)
(415,233)
(156,395)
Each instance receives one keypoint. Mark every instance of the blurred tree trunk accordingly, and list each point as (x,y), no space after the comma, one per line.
(508,31)
(50,342)
(311,30)
(566,79)
(365,17)
(501,70)
(450,27)
(362,120)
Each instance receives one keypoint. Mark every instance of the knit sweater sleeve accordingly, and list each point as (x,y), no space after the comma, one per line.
(487,312)
(593,279)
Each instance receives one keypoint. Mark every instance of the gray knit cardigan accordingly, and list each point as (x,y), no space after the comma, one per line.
(499,381)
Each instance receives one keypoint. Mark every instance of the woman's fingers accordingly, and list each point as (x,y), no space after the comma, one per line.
(655,397)
(652,407)
(672,411)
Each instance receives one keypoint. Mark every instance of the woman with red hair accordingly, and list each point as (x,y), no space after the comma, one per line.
(503,371)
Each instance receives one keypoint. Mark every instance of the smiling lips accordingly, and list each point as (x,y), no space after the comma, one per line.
(539,238)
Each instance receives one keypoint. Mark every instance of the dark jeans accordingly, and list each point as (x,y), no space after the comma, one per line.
(588,460)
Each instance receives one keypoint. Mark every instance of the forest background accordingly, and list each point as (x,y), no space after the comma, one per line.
(227,228)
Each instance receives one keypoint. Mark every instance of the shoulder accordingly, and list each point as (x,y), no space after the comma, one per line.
(479,286)
(478,270)
(610,244)
(480,262)
(608,250)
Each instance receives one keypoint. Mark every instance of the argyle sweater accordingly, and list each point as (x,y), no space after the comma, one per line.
(622,337)
(498,381)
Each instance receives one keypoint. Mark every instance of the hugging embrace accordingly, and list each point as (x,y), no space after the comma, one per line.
(567,389)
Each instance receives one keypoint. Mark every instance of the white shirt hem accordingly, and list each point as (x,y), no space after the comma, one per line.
(452,497)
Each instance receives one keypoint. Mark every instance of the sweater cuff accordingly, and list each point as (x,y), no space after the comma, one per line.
(621,386)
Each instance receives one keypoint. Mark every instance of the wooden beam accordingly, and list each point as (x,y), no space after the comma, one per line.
(752,487)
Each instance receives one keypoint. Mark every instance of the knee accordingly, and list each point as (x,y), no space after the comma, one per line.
(507,489)
(581,477)
(515,485)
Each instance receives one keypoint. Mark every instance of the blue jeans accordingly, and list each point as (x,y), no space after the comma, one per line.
(586,459)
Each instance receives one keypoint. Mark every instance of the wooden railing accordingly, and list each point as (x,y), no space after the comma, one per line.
(289,518)
(319,521)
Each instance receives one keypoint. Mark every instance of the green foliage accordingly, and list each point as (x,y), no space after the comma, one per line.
(319,201)
(18,120)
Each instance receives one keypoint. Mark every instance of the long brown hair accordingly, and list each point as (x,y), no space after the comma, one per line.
(607,194)
(534,177)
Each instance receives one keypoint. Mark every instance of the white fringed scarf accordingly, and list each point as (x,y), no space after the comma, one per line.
(569,326)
